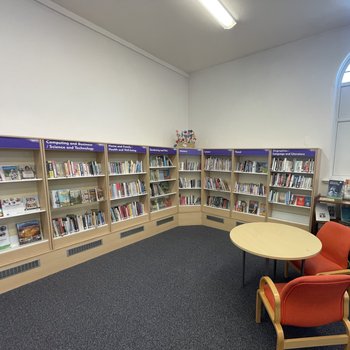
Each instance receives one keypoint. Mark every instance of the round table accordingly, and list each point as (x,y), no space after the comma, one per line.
(275,241)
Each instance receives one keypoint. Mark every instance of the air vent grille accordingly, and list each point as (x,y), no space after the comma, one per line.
(132,232)
(84,247)
(19,269)
(214,218)
(164,221)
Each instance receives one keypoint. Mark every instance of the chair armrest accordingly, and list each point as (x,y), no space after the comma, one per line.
(266,280)
(336,272)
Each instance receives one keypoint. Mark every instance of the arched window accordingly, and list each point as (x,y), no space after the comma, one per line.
(341,165)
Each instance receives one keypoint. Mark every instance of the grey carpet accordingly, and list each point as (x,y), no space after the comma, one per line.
(177,290)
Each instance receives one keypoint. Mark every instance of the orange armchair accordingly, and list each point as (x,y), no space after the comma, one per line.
(307,301)
(335,240)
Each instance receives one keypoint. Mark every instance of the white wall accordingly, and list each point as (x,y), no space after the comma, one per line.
(282,97)
(60,79)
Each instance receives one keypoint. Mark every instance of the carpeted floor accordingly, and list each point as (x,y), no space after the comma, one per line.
(177,290)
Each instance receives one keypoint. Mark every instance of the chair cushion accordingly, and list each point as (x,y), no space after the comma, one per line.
(316,264)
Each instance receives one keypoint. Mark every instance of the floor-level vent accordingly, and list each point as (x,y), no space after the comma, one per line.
(132,232)
(19,269)
(84,247)
(239,223)
(164,221)
(214,218)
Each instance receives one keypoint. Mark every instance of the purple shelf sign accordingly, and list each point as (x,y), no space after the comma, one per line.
(294,153)
(251,152)
(218,152)
(75,146)
(162,150)
(126,148)
(19,143)
(190,151)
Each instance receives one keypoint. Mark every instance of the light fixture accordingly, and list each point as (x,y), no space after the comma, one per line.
(219,13)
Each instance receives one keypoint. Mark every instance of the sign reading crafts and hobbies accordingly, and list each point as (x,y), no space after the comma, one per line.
(56,145)
(251,152)
(293,153)
(190,151)
(218,152)
(162,150)
(126,148)
(19,143)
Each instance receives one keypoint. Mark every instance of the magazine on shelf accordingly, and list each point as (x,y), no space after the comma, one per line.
(4,237)
(28,232)
(321,212)
(27,171)
(12,206)
(345,214)
(335,189)
(346,194)
(31,202)
(75,197)
(11,172)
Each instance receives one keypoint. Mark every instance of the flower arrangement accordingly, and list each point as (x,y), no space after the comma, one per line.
(185,138)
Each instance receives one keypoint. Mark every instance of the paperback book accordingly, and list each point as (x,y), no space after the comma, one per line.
(11,172)
(28,232)
(335,189)
(4,237)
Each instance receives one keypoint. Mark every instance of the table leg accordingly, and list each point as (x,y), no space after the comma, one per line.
(243,267)
(302,267)
(274,269)
(267,266)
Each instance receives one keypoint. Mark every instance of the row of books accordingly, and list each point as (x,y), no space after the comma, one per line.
(126,189)
(291,180)
(189,200)
(189,165)
(293,165)
(189,183)
(160,203)
(289,198)
(218,202)
(159,174)
(160,161)
(127,211)
(68,197)
(126,167)
(17,172)
(252,166)
(251,207)
(71,168)
(18,205)
(216,184)
(251,188)
(72,223)
(158,189)
(27,232)
(221,164)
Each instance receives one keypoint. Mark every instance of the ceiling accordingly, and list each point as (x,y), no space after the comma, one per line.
(184,35)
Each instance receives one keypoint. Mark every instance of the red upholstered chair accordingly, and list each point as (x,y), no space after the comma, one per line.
(335,240)
(307,301)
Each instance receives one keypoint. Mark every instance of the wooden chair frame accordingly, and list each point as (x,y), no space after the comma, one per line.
(297,343)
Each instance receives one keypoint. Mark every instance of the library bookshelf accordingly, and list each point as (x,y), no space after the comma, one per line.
(64,202)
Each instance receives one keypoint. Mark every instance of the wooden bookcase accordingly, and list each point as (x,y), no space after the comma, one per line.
(217,182)
(17,189)
(77,190)
(292,186)
(128,185)
(250,175)
(190,185)
(163,181)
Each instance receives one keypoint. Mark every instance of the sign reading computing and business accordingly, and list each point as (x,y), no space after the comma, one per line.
(56,145)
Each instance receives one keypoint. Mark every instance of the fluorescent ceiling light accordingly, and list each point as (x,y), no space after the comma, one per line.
(219,13)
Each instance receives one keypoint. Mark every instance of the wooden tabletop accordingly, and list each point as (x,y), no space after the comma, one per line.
(275,241)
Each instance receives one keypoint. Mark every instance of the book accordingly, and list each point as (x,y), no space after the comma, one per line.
(335,189)
(75,197)
(262,209)
(85,196)
(27,171)
(11,172)
(332,211)
(346,194)
(63,197)
(93,195)
(55,201)
(300,201)
(99,194)
(28,232)
(321,212)
(12,206)
(345,214)
(253,207)
(31,202)
(4,237)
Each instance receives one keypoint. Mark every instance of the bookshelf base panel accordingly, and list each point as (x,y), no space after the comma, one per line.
(189,219)
(246,217)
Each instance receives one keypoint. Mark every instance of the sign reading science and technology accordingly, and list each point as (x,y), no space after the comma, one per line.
(55,145)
